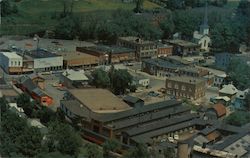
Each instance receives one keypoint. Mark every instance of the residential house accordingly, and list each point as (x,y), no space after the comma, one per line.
(228,90)
(38,80)
(219,109)
(73,78)
(141,81)
(219,79)
(240,100)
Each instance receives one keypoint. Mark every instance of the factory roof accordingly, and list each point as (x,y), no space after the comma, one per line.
(110,49)
(106,102)
(41,53)
(186,79)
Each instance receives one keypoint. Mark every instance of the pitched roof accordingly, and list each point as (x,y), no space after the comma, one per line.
(75,75)
(132,99)
(220,109)
(229,89)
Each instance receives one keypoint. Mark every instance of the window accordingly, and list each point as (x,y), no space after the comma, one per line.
(11,63)
(176,86)
(205,43)
(19,63)
(15,63)
(169,85)
(183,88)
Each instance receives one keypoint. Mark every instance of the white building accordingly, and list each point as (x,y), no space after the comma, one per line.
(218,80)
(11,62)
(202,37)
(46,61)
(141,81)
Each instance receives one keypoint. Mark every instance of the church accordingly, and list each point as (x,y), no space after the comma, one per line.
(202,37)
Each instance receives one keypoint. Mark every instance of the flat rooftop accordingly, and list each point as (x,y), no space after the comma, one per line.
(110,49)
(75,55)
(183,43)
(40,53)
(163,63)
(99,100)
(185,79)
(136,40)
(11,55)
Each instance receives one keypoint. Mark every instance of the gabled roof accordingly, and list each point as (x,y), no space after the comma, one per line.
(229,89)
(75,75)
(132,99)
(220,110)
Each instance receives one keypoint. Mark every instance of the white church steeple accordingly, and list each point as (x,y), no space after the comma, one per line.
(204,28)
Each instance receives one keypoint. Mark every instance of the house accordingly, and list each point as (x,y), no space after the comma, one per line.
(240,100)
(185,87)
(11,62)
(141,81)
(225,100)
(219,109)
(219,79)
(202,37)
(9,93)
(109,54)
(72,78)
(164,50)
(79,60)
(133,101)
(27,86)
(183,48)
(143,48)
(228,90)
(222,60)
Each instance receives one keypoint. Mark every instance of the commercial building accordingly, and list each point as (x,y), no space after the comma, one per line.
(141,81)
(79,60)
(167,66)
(143,49)
(222,60)
(109,54)
(164,50)
(11,62)
(44,60)
(185,87)
(181,47)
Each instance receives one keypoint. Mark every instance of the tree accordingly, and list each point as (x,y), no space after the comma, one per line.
(138,152)
(46,115)
(101,78)
(238,118)
(168,27)
(121,81)
(110,145)
(24,102)
(139,6)
(92,151)
(248,100)
(67,7)
(17,139)
(30,142)
(63,138)
(3,105)
(53,155)
(239,73)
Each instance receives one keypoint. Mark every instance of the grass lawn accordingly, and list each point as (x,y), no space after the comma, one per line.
(35,15)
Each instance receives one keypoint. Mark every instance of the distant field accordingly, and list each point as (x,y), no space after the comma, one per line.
(35,15)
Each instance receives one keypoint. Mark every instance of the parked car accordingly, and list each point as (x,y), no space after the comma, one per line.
(153,94)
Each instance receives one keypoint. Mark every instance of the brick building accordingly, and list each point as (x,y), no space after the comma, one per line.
(185,87)
(143,49)
(164,50)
